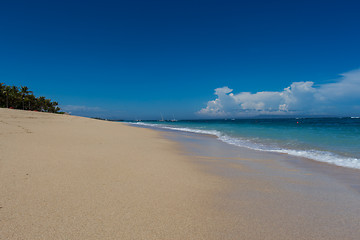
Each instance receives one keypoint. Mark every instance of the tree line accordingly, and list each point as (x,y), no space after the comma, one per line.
(22,98)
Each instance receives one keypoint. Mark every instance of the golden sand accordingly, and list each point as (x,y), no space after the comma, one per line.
(67,177)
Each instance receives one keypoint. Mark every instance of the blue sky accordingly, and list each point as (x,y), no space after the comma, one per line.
(137,59)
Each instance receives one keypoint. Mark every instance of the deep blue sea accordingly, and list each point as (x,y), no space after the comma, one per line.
(332,140)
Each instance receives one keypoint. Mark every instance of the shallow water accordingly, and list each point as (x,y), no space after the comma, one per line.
(331,140)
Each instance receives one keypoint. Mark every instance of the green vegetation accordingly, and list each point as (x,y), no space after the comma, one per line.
(21,98)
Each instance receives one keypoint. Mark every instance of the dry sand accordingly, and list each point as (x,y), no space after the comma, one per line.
(67,177)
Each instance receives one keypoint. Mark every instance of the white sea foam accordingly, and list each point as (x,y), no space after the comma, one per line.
(192,130)
(321,156)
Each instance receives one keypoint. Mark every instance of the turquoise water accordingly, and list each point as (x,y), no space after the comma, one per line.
(331,140)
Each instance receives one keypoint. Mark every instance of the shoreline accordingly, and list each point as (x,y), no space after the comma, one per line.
(292,153)
(349,176)
(291,194)
(67,177)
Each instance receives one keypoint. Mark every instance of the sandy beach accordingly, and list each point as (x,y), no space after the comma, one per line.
(67,177)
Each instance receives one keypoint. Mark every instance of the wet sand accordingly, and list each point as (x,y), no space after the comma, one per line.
(278,196)
(66,177)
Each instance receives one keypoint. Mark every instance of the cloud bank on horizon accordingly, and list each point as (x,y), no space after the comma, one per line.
(341,97)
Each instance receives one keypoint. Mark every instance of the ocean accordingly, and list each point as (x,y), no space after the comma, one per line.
(331,140)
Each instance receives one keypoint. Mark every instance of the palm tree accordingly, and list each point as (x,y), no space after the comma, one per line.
(7,91)
(31,100)
(54,107)
(3,93)
(41,103)
(14,97)
(21,98)
(24,92)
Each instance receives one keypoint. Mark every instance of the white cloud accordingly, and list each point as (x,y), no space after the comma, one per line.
(339,97)
(347,88)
